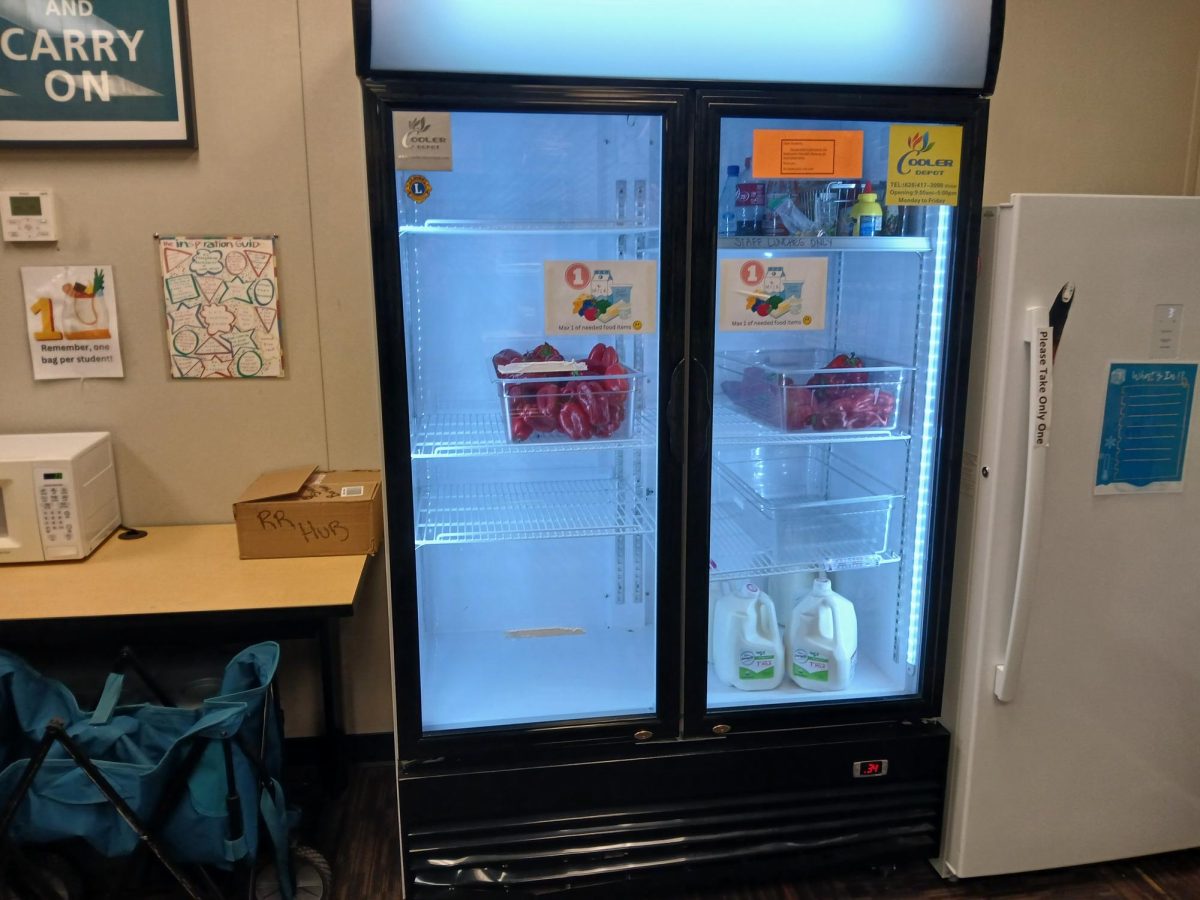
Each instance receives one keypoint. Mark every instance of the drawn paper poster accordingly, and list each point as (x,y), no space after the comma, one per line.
(773,294)
(1143,441)
(222,303)
(601,296)
(71,313)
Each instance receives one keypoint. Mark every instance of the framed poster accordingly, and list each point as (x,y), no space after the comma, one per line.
(95,72)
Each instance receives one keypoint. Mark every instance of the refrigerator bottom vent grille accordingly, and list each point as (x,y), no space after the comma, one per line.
(747,838)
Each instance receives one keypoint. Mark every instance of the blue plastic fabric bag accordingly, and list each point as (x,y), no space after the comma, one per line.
(138,748)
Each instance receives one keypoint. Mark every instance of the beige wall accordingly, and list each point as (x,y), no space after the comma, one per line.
(1094,95)
(279,120)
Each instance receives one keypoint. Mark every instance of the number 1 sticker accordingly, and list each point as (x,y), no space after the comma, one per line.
(577,276)
(752,272)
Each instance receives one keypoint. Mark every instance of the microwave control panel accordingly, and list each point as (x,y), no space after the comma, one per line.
(56,514)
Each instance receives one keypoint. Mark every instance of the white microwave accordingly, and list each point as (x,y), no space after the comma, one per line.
(58,495)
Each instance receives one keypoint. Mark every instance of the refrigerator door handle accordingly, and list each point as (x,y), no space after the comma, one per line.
(702,400)
(1041,391)
(675,412)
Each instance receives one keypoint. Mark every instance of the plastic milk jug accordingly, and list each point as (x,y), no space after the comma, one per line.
(747,645)
(787,590)
(715,592)
(822,639)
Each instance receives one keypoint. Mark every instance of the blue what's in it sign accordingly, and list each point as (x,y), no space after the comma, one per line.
(1143,441)
(86,70)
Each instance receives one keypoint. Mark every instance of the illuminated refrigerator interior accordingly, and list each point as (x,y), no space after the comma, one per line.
(819,469)
(535,549)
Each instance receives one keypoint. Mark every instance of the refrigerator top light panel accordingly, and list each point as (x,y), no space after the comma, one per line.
(918,43)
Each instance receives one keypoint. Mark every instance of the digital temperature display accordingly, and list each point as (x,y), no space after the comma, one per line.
(870,768)
(25,206)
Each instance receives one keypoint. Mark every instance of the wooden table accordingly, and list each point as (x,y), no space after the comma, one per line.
(186,580)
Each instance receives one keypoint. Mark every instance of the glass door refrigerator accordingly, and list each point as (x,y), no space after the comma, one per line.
(672,361)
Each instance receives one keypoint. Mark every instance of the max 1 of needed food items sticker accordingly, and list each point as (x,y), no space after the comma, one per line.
(599,296)
(773,294)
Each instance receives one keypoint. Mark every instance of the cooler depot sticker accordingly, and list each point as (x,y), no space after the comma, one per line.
(422,141)
(1147,416)
(417,188)
(601,296)
(773,294)
(807,154)
(923,165)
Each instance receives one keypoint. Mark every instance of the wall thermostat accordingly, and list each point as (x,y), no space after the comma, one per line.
(28,216)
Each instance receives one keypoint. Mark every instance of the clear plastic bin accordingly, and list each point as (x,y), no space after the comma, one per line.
(793,391)
(554,409)
(801,504)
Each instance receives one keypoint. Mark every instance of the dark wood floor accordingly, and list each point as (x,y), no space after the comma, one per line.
(363,843)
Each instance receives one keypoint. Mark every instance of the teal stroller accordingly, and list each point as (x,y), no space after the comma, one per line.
(196,788)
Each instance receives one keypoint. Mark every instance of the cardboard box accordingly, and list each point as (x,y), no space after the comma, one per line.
(303,512)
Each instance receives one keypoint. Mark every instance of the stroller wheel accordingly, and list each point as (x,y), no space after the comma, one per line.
(314,878)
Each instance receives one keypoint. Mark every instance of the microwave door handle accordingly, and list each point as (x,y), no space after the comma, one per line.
(1039,336)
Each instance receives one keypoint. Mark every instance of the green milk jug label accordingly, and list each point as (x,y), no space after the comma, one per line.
(811,665)
(758,664)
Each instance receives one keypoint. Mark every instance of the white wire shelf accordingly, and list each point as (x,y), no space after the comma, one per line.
(797,242)
(444,435)
(527,226)
(846,543)
(733,426)
(451,513)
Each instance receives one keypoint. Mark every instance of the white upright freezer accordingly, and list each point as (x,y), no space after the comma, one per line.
(1073,683)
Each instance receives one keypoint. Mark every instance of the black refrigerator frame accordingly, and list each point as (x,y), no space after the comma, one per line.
(490,797)
(691,120)
(670,104)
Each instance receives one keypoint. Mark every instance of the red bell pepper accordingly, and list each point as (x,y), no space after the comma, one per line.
(854,407)
(841,361)
(543,352)
(547,399)
(799,407)
(573,421)
(612,383)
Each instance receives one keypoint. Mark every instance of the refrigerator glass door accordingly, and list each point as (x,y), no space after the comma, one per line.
(828,358)
(529,274)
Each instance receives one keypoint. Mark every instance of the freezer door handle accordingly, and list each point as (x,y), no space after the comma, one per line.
(1041,392)
(675,412)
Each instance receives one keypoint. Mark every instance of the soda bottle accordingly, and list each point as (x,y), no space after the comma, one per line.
(751,199)
(778,194)
(726,205)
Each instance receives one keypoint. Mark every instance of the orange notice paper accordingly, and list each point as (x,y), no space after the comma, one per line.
(807,154)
